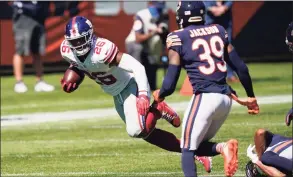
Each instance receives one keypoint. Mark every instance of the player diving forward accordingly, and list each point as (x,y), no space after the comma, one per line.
(200,49)
(273,155)
(123,77)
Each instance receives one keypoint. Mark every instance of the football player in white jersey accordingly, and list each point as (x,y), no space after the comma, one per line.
(123,77)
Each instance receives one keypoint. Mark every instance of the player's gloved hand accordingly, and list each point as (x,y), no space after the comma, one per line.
(142,104)
(250,103)
(289,117)
(156,94)
(68,87)
(251,154)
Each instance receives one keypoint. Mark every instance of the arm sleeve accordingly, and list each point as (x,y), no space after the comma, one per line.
(130,64)
(170,80)
(239,67)
(242,71)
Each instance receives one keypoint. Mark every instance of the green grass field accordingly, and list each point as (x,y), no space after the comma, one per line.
(101,147)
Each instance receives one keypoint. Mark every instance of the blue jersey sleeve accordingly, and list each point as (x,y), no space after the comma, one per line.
(174,42)
(223,34)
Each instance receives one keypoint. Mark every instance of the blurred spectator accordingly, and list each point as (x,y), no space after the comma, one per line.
(147,37)
(29,35)
(71,6)
(220,12)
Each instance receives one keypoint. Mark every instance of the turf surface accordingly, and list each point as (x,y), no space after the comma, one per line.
(268,79)
(101,147)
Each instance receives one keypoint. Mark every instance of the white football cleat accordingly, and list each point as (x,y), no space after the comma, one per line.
(20,87)
(42,86)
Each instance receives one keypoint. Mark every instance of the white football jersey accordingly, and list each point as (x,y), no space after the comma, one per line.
(112,79)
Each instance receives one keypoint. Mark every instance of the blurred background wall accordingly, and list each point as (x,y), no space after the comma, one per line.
(258,30)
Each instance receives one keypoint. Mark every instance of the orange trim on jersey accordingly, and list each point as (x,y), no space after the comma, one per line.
(190,119)
(282,145)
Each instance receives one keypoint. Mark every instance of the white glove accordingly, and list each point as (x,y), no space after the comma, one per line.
(251,154)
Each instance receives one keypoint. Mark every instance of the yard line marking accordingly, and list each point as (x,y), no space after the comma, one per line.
(218,173)
(96,155)
(111,140)
(50,104)
(24,119)
(122,126)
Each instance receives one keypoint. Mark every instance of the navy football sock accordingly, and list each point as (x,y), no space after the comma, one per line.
(187,163)
(207,148)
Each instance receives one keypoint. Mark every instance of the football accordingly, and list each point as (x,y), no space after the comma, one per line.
(73,75)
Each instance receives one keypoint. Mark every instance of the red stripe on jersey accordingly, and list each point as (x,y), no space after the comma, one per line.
(112,56)
(109,53)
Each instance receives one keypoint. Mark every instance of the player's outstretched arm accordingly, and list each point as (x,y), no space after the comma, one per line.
(270,171)
(171,78)
(130,64)
(243,73)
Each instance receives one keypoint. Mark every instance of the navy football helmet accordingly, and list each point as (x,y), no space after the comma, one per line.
(190,12)
(289,37)
(79,34)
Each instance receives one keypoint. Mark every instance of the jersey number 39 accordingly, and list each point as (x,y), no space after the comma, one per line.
(210,50)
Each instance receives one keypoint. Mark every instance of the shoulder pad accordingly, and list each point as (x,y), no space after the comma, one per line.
(173,40)
(66,52)
(104,51)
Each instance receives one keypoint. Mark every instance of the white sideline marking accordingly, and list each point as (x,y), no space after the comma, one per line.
(218,173)
(97,155)
(110,140)
(23,119)
(274,124)
(67,103)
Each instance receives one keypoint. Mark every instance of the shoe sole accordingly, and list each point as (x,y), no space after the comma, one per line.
(231,159)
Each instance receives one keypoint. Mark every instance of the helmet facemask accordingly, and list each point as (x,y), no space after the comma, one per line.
(82,44)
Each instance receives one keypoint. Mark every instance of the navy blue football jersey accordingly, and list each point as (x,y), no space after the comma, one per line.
(201,50)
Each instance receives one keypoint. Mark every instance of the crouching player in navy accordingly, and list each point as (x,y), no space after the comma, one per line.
(200,49)
(271,155)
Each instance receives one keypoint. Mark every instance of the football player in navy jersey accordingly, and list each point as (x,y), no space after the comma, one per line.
(272,153)
(202,51)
